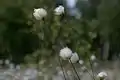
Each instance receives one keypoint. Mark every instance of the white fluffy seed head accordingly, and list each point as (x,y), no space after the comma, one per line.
(102,75)
(39,13)
(65,53)
(81,62)
(93,57)
(74,58)
(59,10)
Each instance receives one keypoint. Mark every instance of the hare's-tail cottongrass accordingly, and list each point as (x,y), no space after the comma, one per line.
(39,13)
(65,53)
(74,58)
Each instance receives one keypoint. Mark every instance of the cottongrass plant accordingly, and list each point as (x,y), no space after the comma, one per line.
(66,53)
(63,71)
(75,58)
(40,14)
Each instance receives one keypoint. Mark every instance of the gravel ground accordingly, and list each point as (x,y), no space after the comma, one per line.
(111,68)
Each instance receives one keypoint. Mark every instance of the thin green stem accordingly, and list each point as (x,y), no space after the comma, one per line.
(89,73)
(62,68)
(91,66)
(74,70)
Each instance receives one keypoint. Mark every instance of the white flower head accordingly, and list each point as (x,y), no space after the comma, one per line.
(39,13)
(102,75)
(59,10)
(93,57)
(81,62)
(65,53)
(74,58)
